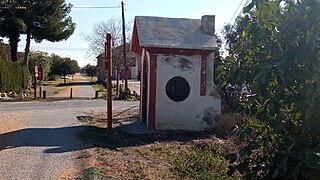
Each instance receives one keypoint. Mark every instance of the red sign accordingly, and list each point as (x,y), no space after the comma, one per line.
(36,71)
(40,76)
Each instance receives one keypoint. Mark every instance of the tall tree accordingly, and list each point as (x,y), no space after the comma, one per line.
(97,41)
(118,61)
(63,67)
(37,58)
(46,20)
(91,70)
(11,26)
(97,38)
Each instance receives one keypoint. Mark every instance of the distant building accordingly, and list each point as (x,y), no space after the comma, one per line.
(117,53)
(177,89)
(5,52)
(42,53)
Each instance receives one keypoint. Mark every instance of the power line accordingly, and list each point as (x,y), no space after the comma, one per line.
(58,49)
(96,7)
(238,14)
(236,11)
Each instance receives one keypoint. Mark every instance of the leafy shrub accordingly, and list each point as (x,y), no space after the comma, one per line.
(275,48)
(13,75)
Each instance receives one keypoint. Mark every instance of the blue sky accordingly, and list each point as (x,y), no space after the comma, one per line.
(76,48)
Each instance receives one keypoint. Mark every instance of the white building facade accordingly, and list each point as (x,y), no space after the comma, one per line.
(177,57)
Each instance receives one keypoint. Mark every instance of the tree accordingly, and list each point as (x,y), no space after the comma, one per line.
(7,2)
(11,27)
(63,67)
(45,19)
(118,61)
(97,38)
(97,41)
(276,50)
(91,70)
(42,19)
(40,59)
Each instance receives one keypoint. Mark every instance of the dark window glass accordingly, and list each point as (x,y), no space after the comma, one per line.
(177,89)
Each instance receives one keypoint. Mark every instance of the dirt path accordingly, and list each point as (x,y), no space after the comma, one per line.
(81,88)
(10,122)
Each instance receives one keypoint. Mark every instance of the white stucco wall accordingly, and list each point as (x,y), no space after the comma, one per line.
(196,113)
(134,72)
(148,89)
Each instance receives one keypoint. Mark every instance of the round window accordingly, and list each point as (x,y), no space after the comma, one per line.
(177,89)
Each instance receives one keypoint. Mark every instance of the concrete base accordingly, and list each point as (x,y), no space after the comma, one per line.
(134,127)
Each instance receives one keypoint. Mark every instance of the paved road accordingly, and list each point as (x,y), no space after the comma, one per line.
(38,140)
(94,104)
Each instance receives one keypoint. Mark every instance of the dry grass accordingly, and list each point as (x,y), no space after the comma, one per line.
(52,87)
(228,122)
(151,156)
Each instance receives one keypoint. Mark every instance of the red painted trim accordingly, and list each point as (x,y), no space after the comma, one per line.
(152,95)
(203,76)
(144,89)
(135,42)
(172,51)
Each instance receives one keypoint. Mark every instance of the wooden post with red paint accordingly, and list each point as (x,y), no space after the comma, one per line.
(40,78)
(108,55)
(35,80)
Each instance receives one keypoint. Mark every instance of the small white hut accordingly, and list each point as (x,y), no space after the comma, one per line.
(177,89)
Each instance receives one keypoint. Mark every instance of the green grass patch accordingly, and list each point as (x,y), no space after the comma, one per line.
(52,87)
(98,87)
(200,163)
(84,155)
(91,173)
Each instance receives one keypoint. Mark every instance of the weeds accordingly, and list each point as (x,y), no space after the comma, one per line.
(201,164)
(92,173)
(84,155)
(228,122)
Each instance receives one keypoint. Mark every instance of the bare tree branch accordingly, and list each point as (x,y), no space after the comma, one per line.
(97,38)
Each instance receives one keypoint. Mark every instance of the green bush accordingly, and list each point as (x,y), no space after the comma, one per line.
(274,51)
(201,163)
(13,75)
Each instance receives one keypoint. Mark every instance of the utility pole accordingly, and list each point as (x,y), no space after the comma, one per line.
(124,51)
(108,56)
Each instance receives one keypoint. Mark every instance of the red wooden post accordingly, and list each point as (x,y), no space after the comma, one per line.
(108,54)
(35,80)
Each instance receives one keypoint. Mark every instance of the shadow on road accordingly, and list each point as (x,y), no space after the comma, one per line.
(67,139)
(79,83)
(98,137)
(58,140)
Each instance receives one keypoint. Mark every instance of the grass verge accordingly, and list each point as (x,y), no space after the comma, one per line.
(159,155)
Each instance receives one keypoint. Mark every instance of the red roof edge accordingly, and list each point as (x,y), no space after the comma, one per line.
(135,43)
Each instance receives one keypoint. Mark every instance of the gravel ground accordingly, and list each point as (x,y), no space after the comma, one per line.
(38,140)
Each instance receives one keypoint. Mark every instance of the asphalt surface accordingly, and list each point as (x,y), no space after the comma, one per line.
(45,145)
(94,104)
